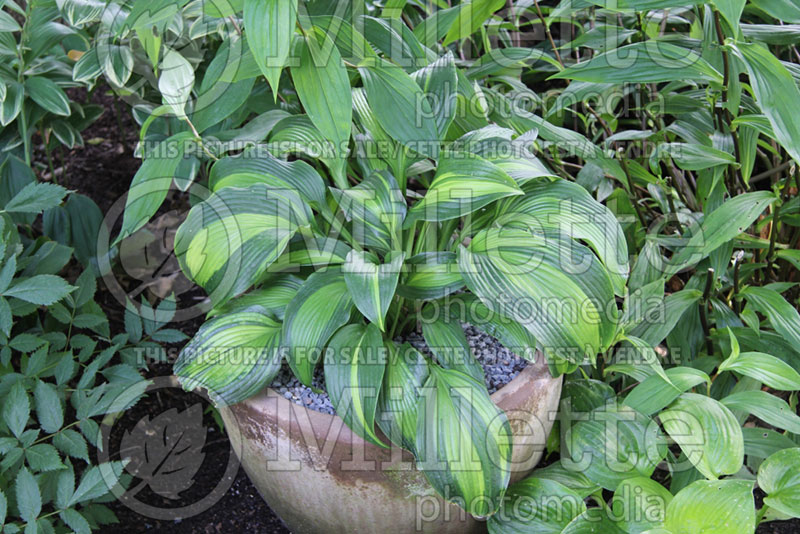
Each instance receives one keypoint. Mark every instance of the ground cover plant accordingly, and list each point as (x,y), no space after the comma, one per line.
(614,184)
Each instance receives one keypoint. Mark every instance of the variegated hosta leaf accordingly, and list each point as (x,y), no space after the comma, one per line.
(446,339)
(439,81)
(296,134)
(261,168)
(463,183)
(320,308)
(272,297)
(509,332)
(310,251)
(371,283)
(354,367)
(431,275)
(377,208)
(552,286)
(537,505)
(232,356)
(570,209)
(406,372)
(463,441)
(228,240)
(495,144)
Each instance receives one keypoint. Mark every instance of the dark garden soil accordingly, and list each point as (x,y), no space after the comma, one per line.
(102,170)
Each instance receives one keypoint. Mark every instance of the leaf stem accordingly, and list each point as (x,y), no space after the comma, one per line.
(704,311)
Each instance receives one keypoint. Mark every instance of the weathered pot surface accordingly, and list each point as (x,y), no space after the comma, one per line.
(319,477)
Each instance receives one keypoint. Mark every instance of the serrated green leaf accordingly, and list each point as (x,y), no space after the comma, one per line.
(35,198)
(16,409)
(29,498)
(48,407)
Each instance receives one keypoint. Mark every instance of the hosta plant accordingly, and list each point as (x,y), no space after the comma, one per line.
(399,212)
(424,169)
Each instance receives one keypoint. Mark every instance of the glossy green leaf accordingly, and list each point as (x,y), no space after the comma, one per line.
(779,477)
(694,157)
(228,240)
(765,368)
(646,62)
(47,94)
(591,521)
(766,407)
(372,284)
(463,441)
(782,316)
(270,27)
(776,93)
(707,432)
(446,340)
(640,504)
(318,310)
(400,107)
(536,505)
(322,84)
(463,183)
(438,82)
(151,183)
(568,208)
(614,443)
(720,226)
(783,10)
(469,308)
(655,393)
(272,297)
(232,356)
(470,17)
(713,507)
(406,372)
(354,366)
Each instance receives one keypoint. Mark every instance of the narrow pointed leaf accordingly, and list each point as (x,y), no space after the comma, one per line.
(270,27)
(446,340)
(401,108)
(406,372)
(536,505)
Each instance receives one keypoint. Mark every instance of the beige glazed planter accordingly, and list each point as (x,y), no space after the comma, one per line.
(319,477)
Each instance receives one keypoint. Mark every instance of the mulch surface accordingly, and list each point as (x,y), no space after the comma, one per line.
(103,170)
